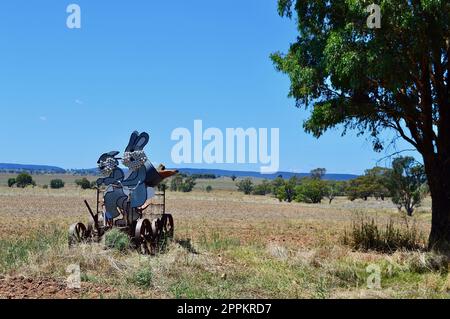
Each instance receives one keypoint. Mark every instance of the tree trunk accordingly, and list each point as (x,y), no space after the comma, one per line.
(439,182)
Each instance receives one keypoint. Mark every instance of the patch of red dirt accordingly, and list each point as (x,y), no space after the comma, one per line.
(20,287)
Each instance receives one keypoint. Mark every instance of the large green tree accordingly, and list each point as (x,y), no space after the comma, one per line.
(394,77)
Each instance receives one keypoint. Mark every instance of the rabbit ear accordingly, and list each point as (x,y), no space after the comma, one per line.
(141,141)
(133,138)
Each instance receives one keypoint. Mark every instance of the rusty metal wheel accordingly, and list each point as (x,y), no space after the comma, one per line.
(143,236)
(77,234)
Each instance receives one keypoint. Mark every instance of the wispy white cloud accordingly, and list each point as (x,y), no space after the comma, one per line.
(43,118)
(79,102)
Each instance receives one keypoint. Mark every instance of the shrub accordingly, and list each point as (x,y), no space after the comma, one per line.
(310,191)
(84,183)
(56,183)
(286,192)
(245,186)
(143,277)
(11,182)
(116,239)
(175,182)
(188,184)
(263,189)
(45,186)
(24,179)
(366,234)
(204,176)
(209,189)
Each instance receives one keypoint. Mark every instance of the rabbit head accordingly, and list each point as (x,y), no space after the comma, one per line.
(107,162)
(134,156)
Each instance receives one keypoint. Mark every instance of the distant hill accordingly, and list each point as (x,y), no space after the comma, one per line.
(14,168)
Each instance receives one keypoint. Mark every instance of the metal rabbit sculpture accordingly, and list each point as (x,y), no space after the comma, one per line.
(138,183)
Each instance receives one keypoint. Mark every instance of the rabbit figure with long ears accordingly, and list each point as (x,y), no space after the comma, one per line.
(114,196)
(143,176)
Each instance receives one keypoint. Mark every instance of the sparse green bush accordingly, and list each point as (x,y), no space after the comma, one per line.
(245,186)
(143,277)
(188,184)
(45,186)
(24,179)
(56,183)
(366,234)
(11,182)
(262,189)
(84,183)
(209,189)
(116,239)
(286,190)
(182,183)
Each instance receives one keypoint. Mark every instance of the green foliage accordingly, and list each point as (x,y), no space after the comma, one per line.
(334,188)
(209,189)
(56,183)
(11,182)
(372,184)
(24,179)
(204,176)
(175,182)
(367,234)
(116,239)
(182,183)
(45,186)
(84,183)
(310,191)
(263,189)
(407,183)
(286,192)
(233,177)
(354,74)
(188,184)
(245,185)
(143,277)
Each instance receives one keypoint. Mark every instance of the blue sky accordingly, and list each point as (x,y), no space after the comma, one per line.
(69,95)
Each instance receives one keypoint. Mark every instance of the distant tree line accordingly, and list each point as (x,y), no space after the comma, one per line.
(405,184)
(204,176)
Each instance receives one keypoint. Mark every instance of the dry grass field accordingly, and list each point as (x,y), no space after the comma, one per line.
(227,245)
